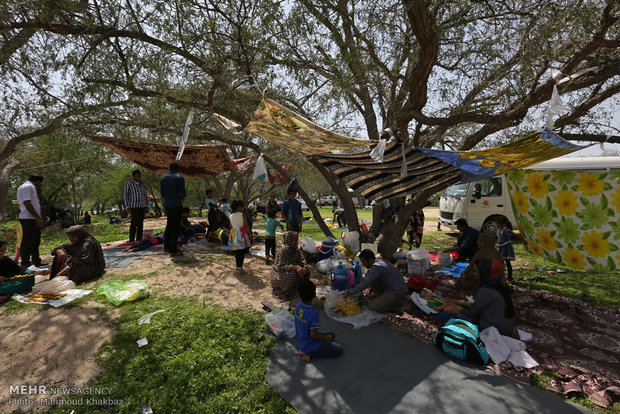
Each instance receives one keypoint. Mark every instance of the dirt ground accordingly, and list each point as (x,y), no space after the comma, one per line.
(53,347)
(56,347)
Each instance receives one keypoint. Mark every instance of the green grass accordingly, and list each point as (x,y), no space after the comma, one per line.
(199,359)
(205,359)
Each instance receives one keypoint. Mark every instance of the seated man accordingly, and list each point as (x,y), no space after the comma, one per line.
(467,243)
(385,280)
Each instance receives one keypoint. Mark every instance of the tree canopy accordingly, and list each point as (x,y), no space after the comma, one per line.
(436,72)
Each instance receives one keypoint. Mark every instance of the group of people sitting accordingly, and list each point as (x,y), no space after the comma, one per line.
(485,277)
(80,259)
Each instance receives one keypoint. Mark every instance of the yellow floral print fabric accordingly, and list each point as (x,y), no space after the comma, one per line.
(569,217)
(284,128)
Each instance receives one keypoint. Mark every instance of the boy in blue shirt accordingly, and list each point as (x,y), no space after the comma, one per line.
(271,225)
(312,343)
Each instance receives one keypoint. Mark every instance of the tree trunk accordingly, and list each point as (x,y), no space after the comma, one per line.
(341,190)
(5,175)
(390,232)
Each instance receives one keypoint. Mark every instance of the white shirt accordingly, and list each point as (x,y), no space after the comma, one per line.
(27,191)
(236,220)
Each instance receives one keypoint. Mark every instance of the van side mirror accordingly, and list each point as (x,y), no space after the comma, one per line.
(477,191)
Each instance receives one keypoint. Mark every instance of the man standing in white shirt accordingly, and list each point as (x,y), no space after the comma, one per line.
(31,220)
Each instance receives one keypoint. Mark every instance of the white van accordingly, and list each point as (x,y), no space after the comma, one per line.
(480,202)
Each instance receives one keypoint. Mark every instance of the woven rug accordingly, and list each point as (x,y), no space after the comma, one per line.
(577,341)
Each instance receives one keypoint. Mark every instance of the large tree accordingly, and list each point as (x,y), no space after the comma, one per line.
(438,73)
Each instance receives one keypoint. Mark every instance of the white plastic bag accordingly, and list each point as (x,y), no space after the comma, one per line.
(325,266)
(56,285)
(421,254)
(444,259)
(260,170)
(281,323)
(352,240)
(308,245)
(415,267)
(377,152)
(332,299)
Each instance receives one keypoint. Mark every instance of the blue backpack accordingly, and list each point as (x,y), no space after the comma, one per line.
(461,340)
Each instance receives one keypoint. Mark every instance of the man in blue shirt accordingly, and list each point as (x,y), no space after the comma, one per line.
(173,193)
(467,243)
(385,280)
(291,211)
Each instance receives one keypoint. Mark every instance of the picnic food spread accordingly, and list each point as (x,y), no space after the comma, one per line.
(349,307)
(44,297)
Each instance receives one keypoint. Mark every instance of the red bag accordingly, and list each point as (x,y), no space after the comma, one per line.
(419,282)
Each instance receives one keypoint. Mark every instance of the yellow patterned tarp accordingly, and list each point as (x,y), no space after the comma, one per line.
(569,217)
(284,128)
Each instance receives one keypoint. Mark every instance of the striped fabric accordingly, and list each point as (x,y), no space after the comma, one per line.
(435,169)
(377,181)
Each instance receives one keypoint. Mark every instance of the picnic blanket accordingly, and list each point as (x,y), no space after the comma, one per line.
(198,161)
(580,342)
(385,371)
(117,258)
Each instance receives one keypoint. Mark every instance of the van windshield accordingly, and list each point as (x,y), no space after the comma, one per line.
(456,190)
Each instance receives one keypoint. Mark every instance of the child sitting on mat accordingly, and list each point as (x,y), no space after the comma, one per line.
(312,343)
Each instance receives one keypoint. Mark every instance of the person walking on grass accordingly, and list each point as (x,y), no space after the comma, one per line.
(31,220)
(173,193)
(137,204)
(504,243)
(239,239)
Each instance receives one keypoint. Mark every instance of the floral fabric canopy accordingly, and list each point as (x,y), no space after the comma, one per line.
(284,128)
(198,161)
(569,217)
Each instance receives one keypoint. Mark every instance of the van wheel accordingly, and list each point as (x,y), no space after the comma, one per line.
(489,226)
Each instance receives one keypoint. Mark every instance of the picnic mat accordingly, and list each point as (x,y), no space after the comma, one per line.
(386,371)
(115,257)
(580,342)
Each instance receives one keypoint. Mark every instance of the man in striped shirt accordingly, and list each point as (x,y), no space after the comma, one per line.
(137,205)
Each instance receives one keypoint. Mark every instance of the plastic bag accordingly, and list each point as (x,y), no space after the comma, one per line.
(260,170)
(333,298)
(281,323)
(444,259)
(147,318)
(352,240)
(308,245)
(56,285)
(415,267)
(421,254)
(119,291)
(377,152)
(325,266)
